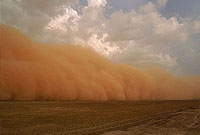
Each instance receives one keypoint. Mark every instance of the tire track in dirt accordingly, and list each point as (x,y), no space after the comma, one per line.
(181,122)
(124,125)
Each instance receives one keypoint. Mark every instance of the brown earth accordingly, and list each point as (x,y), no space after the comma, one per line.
(104,118)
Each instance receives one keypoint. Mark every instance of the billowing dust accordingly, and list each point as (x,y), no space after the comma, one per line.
(38,71)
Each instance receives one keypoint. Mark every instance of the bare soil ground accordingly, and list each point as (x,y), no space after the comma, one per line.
(100,118)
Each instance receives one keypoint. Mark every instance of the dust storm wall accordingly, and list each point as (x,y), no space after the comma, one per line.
(37,71)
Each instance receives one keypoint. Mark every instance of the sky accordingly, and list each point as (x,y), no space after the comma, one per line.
(136,32)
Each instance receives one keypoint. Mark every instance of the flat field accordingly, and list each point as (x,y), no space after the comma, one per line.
(104,118)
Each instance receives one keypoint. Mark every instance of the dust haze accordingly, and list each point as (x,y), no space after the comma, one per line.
(40,71)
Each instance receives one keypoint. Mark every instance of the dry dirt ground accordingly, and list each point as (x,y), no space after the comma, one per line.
(100,118)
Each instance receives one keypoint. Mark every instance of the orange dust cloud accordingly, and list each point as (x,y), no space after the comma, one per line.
(38,71)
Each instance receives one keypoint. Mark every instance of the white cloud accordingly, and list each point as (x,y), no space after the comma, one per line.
(135,37)
(137,55)
(31,16)
(69,18)
(96,3)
